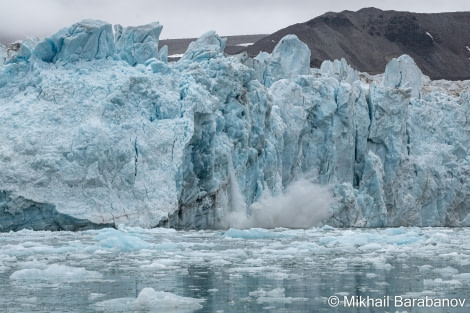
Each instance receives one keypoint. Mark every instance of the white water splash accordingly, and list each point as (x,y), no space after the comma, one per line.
(302,205)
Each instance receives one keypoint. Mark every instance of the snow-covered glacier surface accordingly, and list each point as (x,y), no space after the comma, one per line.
(98,129)
(254,270)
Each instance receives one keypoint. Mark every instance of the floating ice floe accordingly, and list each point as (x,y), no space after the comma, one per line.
(150,300)
(57,273)
(276,295)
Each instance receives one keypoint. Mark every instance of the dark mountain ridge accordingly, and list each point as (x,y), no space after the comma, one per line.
(369,38)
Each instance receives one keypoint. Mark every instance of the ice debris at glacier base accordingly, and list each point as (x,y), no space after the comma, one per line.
(275,262)
(99,129)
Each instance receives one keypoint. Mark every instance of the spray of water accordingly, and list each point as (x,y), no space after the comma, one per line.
(302,205)
(236,217)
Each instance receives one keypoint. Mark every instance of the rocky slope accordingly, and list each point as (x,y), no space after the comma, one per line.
(369,38)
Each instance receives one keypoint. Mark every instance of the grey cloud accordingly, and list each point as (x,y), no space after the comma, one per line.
(188,18)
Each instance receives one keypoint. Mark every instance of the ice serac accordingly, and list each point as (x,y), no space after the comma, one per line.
(340,70)
(163,54)
(112,134)
(137,44)
(86,40)
(403,72)
(208,46)
(290,58)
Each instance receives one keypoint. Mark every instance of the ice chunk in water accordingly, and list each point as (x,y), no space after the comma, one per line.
(438,282)
(150,300)
(122,241)
(57,273)
(446,271)
(276,295)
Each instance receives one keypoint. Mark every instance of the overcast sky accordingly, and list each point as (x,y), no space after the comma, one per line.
(190,18)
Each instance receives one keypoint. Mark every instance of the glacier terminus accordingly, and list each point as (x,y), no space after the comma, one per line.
(98,129)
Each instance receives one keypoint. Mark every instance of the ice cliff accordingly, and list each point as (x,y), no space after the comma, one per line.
(98,129)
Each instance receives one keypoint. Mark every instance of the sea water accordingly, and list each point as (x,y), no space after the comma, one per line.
(254,270)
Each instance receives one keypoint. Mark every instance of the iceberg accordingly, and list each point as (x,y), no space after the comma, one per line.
(98,130)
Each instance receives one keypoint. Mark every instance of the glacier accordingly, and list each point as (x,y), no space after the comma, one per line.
(98,129)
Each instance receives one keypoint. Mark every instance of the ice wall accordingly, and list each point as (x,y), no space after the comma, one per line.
(98,129)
